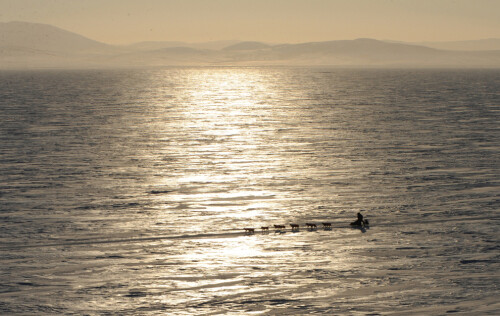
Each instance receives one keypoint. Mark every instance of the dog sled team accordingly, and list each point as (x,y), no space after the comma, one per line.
(360,222)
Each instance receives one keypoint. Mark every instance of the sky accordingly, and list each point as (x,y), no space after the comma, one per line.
(272,21)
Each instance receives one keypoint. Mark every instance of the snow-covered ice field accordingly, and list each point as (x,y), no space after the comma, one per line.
(126,192)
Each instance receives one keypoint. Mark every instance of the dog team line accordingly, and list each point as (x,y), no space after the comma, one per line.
(295,227)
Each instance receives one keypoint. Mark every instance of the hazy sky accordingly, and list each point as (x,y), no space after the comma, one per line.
(127,21)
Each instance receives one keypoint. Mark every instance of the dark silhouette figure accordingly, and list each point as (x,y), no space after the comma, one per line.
(359,221)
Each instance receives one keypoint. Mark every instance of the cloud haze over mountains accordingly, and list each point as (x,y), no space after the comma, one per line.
(30,45)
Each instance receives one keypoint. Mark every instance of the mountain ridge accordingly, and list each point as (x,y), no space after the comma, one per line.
(31,45)
(46,37)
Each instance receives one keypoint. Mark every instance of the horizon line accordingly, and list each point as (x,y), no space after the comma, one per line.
(252,40)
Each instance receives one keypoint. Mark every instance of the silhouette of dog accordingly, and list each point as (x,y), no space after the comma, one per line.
(249,230)
(294,226)
(327,225)
(311,225)
(279,226)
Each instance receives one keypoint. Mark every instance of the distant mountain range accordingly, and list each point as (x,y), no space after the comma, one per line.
(475,45)
(30,45)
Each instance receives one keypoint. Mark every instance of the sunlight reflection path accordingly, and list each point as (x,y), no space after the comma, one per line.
(223,139)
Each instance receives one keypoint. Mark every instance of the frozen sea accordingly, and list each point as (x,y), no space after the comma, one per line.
(126,192)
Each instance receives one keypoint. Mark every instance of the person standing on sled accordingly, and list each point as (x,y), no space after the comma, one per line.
(359,221)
